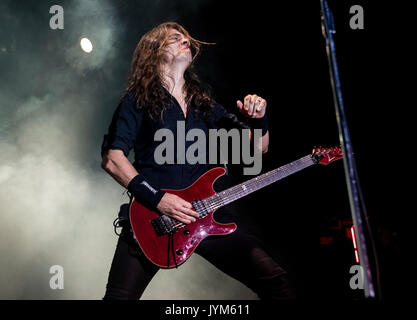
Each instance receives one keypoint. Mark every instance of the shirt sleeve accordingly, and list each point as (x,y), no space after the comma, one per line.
(224,119)
(124,126)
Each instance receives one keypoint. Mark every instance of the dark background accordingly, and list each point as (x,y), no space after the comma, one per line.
(276,50)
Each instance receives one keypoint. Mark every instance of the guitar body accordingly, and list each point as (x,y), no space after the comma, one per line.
(160,249)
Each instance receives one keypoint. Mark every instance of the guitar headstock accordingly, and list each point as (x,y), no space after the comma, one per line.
(326,155)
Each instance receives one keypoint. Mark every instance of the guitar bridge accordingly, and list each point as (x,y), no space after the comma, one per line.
(164,225)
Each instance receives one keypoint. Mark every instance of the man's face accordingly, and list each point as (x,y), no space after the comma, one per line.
(177,47)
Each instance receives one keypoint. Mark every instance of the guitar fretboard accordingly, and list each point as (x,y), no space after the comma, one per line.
(229,195)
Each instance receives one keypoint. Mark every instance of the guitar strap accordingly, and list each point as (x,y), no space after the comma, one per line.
(123,217)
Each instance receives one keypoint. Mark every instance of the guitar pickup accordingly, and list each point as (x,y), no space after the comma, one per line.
(200,208)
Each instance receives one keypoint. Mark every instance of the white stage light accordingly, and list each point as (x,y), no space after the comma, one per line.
(86,45)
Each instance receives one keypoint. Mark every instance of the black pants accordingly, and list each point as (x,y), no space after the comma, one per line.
(239,255)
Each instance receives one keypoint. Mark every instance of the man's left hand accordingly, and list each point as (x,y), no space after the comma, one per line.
(254,106)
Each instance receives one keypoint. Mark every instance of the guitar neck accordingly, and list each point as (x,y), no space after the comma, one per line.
(234,193)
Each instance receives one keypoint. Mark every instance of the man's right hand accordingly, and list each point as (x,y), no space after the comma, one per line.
(176,207)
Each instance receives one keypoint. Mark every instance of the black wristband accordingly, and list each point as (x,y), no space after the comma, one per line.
(259,123)
(144,193)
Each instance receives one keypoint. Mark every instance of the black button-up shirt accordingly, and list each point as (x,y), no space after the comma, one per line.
(133,128)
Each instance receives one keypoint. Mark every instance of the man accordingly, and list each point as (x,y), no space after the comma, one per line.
(163,90)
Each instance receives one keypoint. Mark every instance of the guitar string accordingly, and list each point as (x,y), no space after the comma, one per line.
(237,191)
(250,187)
(216,201)
(261,181)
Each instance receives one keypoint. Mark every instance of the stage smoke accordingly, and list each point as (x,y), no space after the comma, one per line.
(57,205)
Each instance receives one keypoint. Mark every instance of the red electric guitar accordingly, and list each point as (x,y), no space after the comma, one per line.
(167,242)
